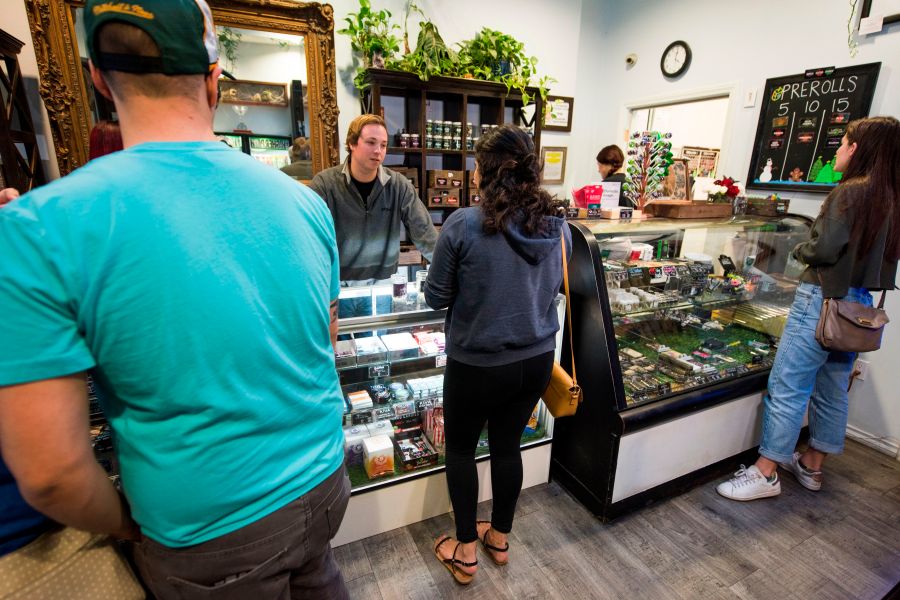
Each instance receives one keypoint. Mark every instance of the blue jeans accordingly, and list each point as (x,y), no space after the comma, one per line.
(804,372)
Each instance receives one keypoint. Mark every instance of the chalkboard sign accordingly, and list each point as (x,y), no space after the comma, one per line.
(801,123)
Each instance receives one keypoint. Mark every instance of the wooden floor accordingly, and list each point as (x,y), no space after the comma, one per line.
(840,543)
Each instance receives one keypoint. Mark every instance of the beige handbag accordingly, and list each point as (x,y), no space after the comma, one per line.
(68,563)
(851,327)
(563,394)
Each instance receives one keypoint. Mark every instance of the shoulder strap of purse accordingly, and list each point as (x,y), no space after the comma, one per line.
(880,301)
(565,266)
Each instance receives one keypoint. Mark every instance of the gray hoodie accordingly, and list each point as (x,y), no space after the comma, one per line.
(500,288)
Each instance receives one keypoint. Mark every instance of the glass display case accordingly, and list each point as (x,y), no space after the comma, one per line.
(391,369)
(676,324)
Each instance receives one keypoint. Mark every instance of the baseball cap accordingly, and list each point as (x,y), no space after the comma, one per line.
(183,30)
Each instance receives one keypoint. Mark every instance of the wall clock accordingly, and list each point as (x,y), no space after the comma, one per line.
(676,59)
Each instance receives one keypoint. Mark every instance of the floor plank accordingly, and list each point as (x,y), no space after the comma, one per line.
(353,561)
(364,588)
(398,566)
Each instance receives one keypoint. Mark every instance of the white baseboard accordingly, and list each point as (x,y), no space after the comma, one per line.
(885,445)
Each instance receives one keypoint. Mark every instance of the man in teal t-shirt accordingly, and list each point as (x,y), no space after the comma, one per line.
(200,286)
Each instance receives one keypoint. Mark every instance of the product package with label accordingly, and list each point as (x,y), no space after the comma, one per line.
(400,345)
(345,354)
(353,443)
(378,456)
(415,452)
(370,350)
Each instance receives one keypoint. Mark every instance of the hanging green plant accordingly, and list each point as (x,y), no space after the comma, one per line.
(229,43)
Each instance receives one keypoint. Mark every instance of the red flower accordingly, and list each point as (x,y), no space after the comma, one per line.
(733,190)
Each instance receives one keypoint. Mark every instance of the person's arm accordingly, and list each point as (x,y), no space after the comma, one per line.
(441,286)
(45,442)
(333,327)
(417,220)
(829,236)
(8,195)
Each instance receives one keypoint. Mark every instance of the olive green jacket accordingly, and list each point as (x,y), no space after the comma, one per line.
(834,260)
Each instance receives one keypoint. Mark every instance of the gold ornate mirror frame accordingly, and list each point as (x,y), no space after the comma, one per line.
(65,94)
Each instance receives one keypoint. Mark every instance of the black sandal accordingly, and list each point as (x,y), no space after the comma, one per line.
(491,549)
(459,575)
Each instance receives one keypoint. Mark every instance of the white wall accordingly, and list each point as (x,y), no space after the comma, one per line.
(550,31)
(739,48)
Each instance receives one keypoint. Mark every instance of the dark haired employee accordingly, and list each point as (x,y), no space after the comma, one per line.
(609,164)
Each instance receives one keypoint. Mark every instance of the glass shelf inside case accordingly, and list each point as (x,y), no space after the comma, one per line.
(391,369)
(696,304)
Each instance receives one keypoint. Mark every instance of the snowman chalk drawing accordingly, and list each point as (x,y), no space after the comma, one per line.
(766,175)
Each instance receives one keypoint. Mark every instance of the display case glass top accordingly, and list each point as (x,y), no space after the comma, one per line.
(693,303)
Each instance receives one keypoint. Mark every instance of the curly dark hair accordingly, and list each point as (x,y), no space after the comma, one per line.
(511,181)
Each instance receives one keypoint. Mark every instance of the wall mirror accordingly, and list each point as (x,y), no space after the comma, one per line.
(279,53)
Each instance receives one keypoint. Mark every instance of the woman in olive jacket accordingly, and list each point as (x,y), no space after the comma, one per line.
(853,248)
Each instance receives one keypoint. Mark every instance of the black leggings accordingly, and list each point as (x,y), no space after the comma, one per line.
(503,397)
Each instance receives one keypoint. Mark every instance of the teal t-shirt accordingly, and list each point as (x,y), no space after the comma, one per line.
(196,282)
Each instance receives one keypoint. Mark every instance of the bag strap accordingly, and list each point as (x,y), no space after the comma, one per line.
(565,266)
(880,301)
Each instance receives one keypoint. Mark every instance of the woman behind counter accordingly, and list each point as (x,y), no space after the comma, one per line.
(853,248)
(498,267)
(609,164)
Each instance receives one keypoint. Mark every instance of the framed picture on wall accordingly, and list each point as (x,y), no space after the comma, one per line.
(677,184)
(702,162)
(885,8)
(554,161)
(558,113)
(254,93)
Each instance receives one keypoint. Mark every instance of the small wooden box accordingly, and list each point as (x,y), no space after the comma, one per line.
(681,209)
(443,198)
(445,180)
(767,208)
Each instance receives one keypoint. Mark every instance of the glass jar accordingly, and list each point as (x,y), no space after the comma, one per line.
(398,283)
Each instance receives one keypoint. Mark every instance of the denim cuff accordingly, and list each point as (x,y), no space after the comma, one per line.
(776,457)
(826,448)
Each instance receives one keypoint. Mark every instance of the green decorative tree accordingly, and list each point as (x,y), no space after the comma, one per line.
(650,154)
(825,174)
(814,171)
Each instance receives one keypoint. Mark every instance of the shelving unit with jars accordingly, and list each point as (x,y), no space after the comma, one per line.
(433,125)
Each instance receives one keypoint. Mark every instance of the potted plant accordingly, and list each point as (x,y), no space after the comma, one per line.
(496,56)
(371,35)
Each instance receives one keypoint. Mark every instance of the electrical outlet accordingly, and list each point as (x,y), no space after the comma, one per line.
(862,367)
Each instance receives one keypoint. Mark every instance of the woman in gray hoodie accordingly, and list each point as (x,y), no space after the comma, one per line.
(498,269)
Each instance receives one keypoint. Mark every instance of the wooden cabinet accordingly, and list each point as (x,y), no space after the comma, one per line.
(20,162)
(408,104)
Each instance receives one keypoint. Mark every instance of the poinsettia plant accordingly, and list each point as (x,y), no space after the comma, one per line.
(728,190)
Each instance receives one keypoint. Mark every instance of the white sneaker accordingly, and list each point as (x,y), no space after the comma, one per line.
(749,484)
(811,480)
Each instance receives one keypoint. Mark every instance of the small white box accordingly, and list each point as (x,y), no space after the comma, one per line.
(378,456)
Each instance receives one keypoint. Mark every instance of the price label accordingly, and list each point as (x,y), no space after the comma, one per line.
(380,370)
(440,361)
